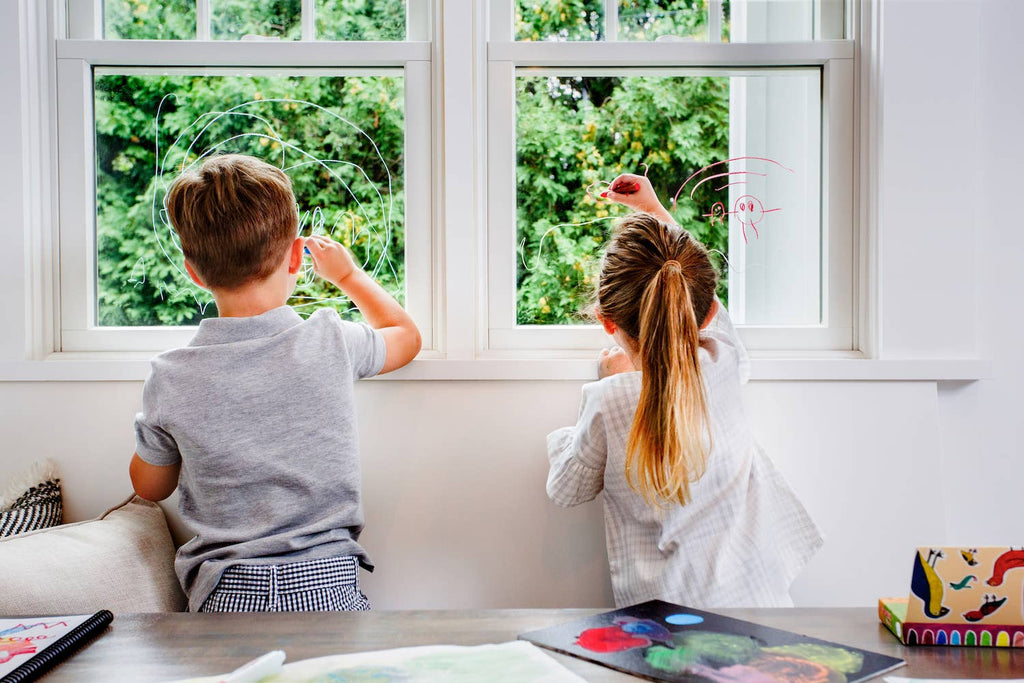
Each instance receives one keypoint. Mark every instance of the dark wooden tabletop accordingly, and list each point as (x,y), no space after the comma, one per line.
(165,647)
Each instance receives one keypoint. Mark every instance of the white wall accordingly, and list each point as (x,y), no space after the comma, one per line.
(982,426)
(454,471)
(454,475)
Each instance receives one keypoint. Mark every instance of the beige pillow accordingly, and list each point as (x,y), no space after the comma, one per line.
(122,561)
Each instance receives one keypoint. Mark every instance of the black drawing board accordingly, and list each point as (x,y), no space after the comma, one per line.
(660,641)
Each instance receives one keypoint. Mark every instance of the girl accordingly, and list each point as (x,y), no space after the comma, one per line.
(695,512)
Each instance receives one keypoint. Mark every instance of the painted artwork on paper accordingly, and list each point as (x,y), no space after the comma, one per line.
(501,663)
(20,639)
(665,642)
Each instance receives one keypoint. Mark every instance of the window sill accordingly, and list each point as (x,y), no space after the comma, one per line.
(123,367)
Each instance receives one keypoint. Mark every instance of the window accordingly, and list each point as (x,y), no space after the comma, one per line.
(462,183)
(336,94)
(740,110)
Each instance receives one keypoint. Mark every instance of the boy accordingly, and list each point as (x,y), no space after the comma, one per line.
(254,421)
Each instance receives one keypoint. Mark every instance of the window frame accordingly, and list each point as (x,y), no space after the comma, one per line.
(835,59)
(29,344)
(78,57)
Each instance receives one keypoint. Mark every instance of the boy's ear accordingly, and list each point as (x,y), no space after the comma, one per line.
(295,255)
(195,276)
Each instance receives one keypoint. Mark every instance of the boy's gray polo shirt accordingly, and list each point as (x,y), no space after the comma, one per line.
(260,412)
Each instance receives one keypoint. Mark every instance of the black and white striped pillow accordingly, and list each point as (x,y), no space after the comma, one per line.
(32,503)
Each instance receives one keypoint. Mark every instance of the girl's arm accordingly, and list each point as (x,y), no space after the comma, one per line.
(578,454)
(636,192)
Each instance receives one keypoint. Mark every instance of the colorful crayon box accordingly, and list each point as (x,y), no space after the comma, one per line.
(961,596)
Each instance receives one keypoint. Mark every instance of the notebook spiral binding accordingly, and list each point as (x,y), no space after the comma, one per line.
(61,650)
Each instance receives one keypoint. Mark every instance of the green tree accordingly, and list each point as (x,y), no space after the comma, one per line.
(576,132)
(347,183)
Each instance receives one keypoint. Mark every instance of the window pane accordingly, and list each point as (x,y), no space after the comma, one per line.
(235,19)
(153,20)
(560,20)
(783,21)
(715,142)
(746,21)
(663,19)
(360,20)
(339,138)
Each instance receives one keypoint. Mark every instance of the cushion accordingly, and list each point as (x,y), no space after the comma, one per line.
(32,501)
(122,561)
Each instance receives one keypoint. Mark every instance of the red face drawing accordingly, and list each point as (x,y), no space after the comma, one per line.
(749,209)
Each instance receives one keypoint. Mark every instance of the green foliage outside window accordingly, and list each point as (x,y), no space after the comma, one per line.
(572,132)
(233,19)
(577,132)
(139,271)
(301,121)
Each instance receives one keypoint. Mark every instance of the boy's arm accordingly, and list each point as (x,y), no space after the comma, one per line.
(153,482)
(332,262)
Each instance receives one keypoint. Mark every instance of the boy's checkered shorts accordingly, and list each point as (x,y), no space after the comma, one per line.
(327,585)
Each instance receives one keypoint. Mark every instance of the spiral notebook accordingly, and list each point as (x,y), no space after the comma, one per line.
(31,646)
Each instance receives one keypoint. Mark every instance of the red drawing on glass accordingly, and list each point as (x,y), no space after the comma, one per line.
(748,209)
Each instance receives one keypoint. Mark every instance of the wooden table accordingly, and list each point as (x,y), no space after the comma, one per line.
(164,647)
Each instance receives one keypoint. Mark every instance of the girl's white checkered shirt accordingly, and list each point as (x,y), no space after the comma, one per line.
(743,537)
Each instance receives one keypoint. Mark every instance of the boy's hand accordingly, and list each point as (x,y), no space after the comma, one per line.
(331,260)
(613,361)
(636,192)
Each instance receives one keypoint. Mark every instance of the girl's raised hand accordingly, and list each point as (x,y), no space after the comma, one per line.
(636,192)
(331,260)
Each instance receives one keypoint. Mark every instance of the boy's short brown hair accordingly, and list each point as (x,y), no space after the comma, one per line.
(236,218)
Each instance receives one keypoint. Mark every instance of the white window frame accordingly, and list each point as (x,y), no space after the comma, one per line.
(457,240)
(84,50)
(835,59)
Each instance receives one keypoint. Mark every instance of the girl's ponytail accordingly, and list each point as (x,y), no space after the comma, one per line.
(666,449)
(657,285)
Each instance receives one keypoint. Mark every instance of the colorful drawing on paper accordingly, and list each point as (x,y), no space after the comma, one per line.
(500,663)
(20,639)
(704,646)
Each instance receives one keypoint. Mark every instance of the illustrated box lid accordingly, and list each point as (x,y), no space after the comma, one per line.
(961,596)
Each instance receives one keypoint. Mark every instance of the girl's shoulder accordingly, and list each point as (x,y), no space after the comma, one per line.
(721,345)
(624,385)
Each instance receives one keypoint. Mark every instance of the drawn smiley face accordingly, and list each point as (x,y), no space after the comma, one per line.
(749,209)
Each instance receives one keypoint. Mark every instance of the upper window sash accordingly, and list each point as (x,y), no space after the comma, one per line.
(75,309)
(835,58)
(753,21)
(84,20)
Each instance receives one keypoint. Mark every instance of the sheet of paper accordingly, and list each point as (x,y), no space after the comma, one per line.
(21,639)
(510,662)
